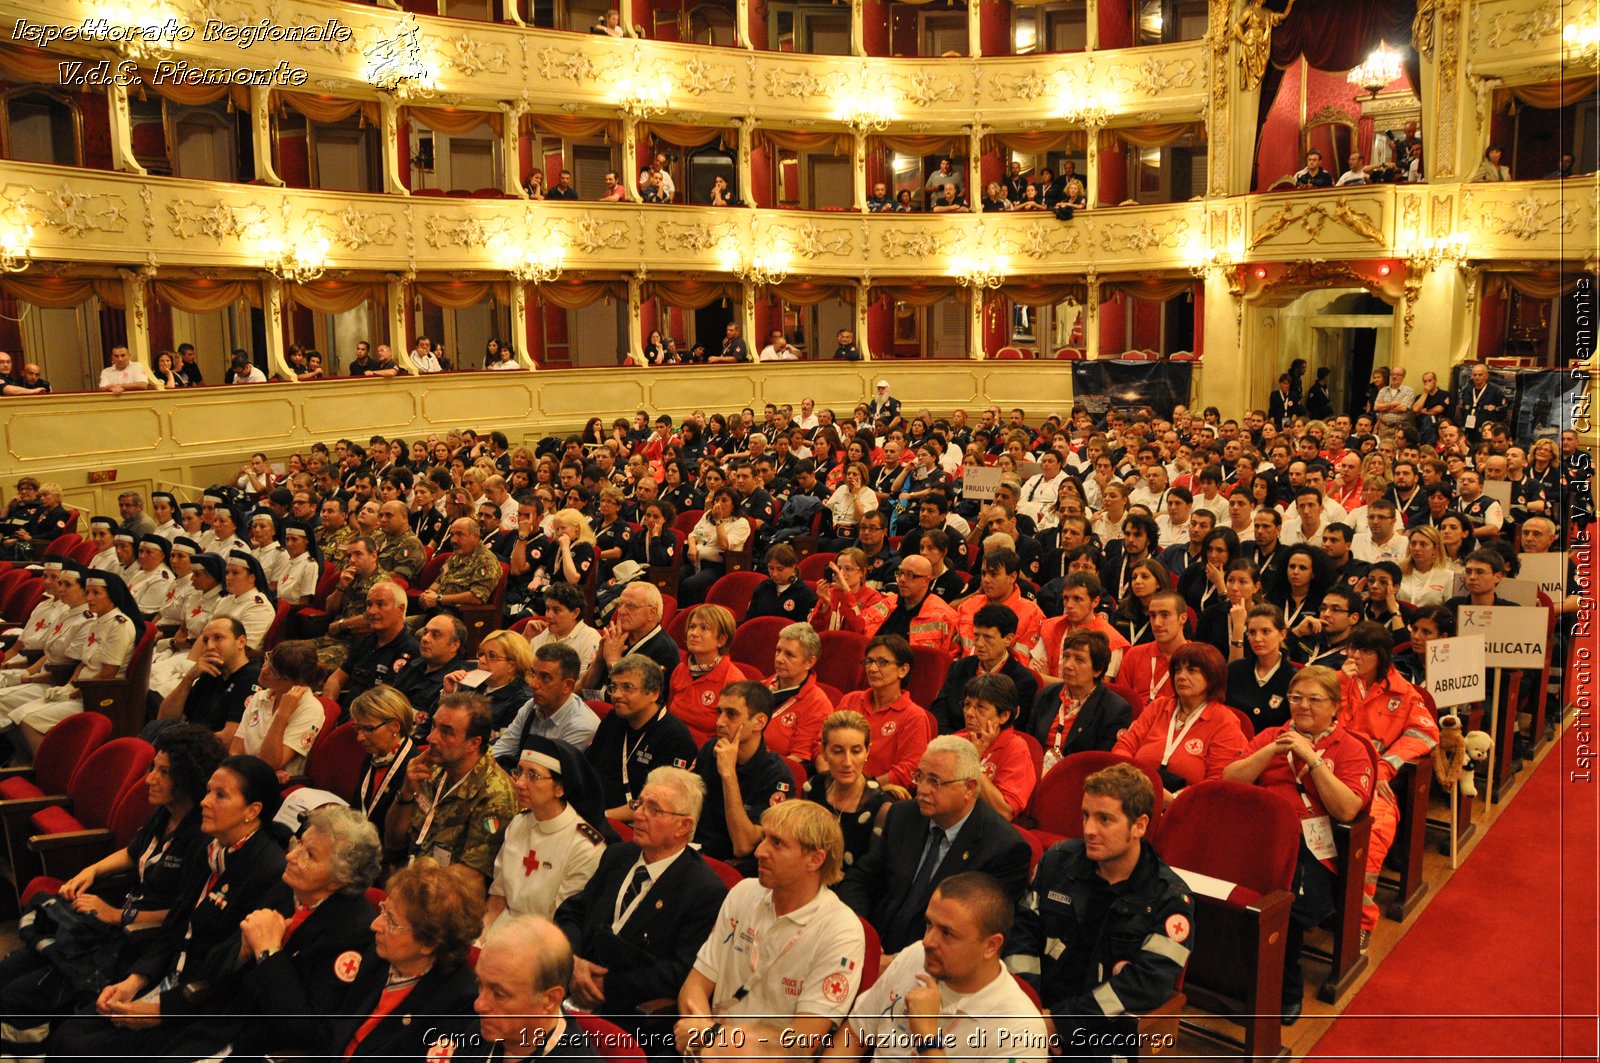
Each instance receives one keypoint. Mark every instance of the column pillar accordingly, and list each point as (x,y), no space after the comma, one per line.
(975,323)
(272,304)
(1091,162)
(975,161)
(261,135)
(1230,372)
(746,317)
(858,177)
(1091,315)
(625,13)
(974,29)
(396,306)
(122,130)
(746,169)
(635,322)
(863,308)
(136,308)
(1438,324)
(519,322)
(510,132)
(389,122)
(858,28)
(741,27)
(514,16)
(1091,31)
(630,159)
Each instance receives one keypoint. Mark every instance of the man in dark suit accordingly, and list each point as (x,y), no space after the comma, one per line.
(523,972)
(638,923)
(945,830)
(994,634)
(1480,402)
(1283,406)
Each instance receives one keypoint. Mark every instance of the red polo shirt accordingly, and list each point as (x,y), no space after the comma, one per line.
(795,729)
(1212,742)
(694,701)
(900,733)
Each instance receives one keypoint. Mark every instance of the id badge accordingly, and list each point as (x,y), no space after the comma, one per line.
(1318,832)
(1471,421)
(442,855)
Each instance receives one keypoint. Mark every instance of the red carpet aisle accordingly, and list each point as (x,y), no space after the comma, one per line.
(1502,963)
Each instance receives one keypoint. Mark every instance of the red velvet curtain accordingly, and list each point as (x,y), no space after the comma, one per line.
(1335,35)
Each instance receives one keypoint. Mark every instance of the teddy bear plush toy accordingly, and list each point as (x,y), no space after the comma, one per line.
(1456,751)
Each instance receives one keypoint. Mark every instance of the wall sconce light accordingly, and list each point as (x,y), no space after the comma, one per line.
(1579,41)
(299,263)
(1431,252)
(536,265)
(1202,260)
(644,95)
(15,252)
(1091,109)
(760,271)
(980,273)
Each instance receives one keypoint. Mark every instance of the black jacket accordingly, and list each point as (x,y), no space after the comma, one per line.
(878,887)
(439,1007)
(1103,716)
(310,978)
(1127,962)
(654,951)
(947,704)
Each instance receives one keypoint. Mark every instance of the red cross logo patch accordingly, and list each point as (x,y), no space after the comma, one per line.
(346,966)
(92,638)
(530,863)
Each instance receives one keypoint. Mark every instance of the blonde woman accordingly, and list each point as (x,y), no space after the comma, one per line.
(508,659)
(575,547)
(1426,578)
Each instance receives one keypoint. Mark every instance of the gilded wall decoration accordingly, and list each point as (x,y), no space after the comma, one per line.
(925,89)
(147,201)
(218,220)
(1221,11)
(804,84)
(472,57)
(1442,210)
(589,234)
(1037,240)
(1525,27)
(70,212)
(1144,236)
(1444,165)
(1253,31)
(1155,75)
(1314,217)
(700,77)
(464,230)
(579,67)
(813,241)
(1030,86)
(698,236)
(354,228)
(1525,219)
(1422,26)
(916,243)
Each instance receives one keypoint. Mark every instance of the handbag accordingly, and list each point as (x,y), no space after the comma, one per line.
(78,945)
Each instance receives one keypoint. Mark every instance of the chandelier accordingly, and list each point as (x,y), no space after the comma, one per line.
(979,273)
(299,263)
(537,265)
(1379,68)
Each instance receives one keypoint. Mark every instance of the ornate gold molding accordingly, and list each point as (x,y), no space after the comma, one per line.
(1314,217)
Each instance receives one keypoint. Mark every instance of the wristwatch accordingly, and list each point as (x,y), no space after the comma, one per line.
(920,1045)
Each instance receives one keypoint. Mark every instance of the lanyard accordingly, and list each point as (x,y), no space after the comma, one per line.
(1156,685)
(1064,718)
(629,751)
(1477,397)
(374,786)
(1174,740)
(439,795)
(753,978)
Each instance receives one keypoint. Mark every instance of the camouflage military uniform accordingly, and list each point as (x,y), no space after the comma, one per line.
(333,544)
(332,649)
(401,555)
(470,822)
(477,572)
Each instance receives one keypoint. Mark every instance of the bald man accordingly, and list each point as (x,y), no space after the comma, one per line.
(523,973)
(469,577)
(400,552)
(917,614)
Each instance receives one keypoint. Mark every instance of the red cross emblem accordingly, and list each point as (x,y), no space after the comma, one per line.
(346,966)
(39,625)
(530,863)
(195,611)
(92,637)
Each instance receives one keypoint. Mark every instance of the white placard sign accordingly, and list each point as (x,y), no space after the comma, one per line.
(1514,636)
(1456,674)
(1521,591)
(1500,491)
(1549,571)
(980,484)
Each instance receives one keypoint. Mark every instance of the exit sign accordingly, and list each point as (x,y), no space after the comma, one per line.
(104,476)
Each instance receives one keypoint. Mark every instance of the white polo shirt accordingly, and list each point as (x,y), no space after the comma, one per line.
(298,734)
(805,963)
(996,1022)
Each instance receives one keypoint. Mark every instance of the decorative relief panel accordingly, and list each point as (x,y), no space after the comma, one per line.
(1524,219)
(465,230)
(1313,218)
(1143,236)
(218,220)
(68,209)
(354,228)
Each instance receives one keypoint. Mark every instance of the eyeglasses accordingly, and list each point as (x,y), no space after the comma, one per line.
(1331,608)
(530,775)
(653,809)
(878,662)
(394,925)
(1309,699)
(918,779)
(902,574)
(626,688)
(486,656)
(370,728)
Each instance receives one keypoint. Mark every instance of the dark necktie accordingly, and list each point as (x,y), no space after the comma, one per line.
(930,862)
(636,885)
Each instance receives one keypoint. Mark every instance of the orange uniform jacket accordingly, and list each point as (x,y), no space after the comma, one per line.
(1393,715)
(934,625)
(694,701)
(862,612)
(1055,630)
(1213,742)
(1029,620)
(900,733)
(795,729)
